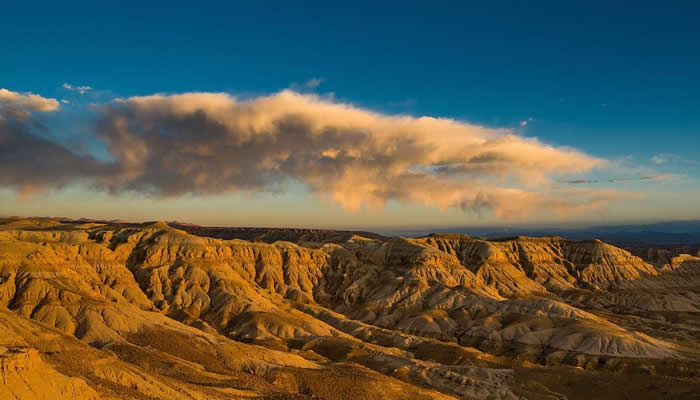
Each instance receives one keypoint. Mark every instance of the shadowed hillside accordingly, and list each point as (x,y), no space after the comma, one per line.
(271,235)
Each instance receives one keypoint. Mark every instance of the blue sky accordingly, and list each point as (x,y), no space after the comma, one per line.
(616,81)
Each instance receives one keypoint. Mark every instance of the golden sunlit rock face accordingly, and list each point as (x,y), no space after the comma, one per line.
(149,311)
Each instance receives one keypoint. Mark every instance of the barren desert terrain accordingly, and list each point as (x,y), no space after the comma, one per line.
(92,310)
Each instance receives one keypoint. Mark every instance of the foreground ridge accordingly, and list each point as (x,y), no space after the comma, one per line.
(174,311)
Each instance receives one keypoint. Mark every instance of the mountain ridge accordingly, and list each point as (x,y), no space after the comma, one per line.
(276,317)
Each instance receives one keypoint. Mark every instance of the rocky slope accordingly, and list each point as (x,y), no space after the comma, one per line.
(660,256)
(113,310)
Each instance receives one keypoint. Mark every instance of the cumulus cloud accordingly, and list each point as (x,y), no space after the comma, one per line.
(210,143)
(77,88)
(21,105)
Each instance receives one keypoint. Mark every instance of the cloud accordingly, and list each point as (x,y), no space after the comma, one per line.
(314,83)
(20,105)
(212,143)
(671,158)
(76,88)
(661,158)
(643,178)
(579,181)
(30,163)
(524,123)
(624,179)
(311,84)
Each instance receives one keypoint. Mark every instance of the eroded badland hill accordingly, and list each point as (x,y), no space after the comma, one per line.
(92,310)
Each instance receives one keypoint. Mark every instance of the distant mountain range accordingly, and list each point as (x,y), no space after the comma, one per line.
(663,234)
(660,234)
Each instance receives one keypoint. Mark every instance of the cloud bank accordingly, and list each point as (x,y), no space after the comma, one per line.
(211,143)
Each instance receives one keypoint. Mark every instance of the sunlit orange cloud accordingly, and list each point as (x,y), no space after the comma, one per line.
(211,143)
(20,105)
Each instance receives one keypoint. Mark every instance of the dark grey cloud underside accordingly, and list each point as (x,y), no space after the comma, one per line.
(29,161)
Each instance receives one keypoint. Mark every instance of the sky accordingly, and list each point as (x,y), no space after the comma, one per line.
(355,115)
